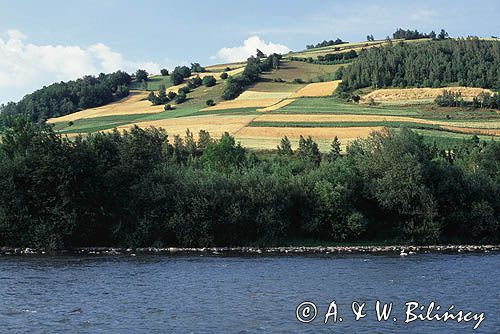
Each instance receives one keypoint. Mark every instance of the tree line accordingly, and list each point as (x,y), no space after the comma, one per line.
(455,99)
(329,58)
(144,188)
(415,34)
(466,62)
(64,98)
(325,43)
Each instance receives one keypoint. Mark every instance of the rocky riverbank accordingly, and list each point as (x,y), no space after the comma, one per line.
(401,250)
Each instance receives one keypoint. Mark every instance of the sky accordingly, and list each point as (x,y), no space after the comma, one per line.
(42,42)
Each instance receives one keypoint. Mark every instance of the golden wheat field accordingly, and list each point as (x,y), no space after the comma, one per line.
(235,104)
(278,105)
(394,94)
(318,89)
(257,95)
(296,132)
(263,143)
(214,124)
(133,104)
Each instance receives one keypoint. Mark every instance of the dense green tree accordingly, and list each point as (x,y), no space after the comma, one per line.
(209,81)
(196,67)
(176,78)
(285,147)
(308,149)
(224,154)
(141,75)
(164,72)
(181,98)
(334,149)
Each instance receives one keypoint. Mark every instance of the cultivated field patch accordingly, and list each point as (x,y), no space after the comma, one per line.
(336,118)
(215,124)
(296,132)
(237,104)
(405,94)
(256,95)
(318,89)
(290,70)
(135,103)
(278,105)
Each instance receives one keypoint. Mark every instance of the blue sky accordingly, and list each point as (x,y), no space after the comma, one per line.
(46,41)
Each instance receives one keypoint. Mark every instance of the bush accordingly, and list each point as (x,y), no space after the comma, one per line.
(168,107)
(210,103)
(171,95)
(224,76)
(209,81)
(164,72)
(195,82)
(184,90)
(176,78)
(181,98)
(298,81)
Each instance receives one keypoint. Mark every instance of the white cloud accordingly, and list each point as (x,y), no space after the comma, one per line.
(249,47)
(25,67)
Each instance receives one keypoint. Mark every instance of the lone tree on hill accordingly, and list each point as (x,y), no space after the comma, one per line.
(164,72)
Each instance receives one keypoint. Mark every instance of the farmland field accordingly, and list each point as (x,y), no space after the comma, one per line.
(415,94)
(318,89)
(290,70)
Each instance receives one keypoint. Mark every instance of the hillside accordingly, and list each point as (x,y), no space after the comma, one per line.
(296,99)
(280,148)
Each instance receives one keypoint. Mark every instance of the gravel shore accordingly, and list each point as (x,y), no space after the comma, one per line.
(402,250)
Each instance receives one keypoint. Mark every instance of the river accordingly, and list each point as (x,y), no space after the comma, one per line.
(243,294)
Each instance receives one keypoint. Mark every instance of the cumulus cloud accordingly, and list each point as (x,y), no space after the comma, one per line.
(250,45)
(25,67)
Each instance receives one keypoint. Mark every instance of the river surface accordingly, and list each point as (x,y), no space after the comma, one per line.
(239,294)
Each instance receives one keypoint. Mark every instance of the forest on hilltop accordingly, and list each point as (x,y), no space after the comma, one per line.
(464,62)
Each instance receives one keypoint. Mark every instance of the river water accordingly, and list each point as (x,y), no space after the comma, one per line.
(239,294)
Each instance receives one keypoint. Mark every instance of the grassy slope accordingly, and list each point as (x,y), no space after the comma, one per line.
(153,83)
(290,70)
